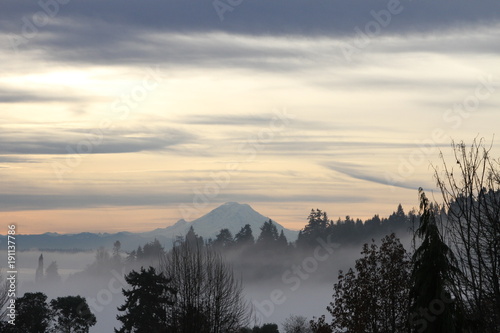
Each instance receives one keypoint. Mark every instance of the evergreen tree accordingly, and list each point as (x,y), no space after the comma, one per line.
(282,242)
(433,309)
(153,250)
(131,257)
(244,236)
(139,253)
(268,235)
(224,240)
(373,226)
(117,259)
(397,220)
(316,227)
(146,303)
(192,239)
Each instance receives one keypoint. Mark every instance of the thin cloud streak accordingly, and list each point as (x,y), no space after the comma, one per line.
(27,202)
(357,172)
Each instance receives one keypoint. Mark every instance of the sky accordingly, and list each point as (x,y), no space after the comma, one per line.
(129,115)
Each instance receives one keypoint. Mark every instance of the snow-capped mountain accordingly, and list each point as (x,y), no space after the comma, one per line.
(231,215)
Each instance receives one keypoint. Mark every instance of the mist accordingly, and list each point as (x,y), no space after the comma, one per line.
(276,284)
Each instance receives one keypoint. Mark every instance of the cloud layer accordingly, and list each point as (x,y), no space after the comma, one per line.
(367,84)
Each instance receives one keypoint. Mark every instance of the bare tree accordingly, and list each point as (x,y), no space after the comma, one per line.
(471,192)
(296,324)
(209,298)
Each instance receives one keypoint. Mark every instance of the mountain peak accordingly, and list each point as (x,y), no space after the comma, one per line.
(230,215)
(181,222)
(233,204)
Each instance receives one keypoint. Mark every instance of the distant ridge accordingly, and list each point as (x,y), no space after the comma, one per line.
(231,215)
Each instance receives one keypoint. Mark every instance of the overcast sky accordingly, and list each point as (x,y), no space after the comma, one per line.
(129,115)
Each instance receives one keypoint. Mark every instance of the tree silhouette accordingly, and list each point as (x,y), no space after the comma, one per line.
(72,314)
(266,328)
(432,308)
(320,325)
(373,297)
(209,298)
(296,324)
(192,239)
(282,242)
(244,236)
(147,302)
(223,240)
(33,313)
(316,227)
(268,235)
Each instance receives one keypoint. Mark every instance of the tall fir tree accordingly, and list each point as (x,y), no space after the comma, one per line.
(146,302)
(245,236)
(316,227)
(268,235)
(433,307)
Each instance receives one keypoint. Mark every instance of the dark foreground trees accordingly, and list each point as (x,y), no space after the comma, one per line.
(373,297)
(147,302)
(434,307)
(33,313)
(69,314)
(209,299)
(266,328)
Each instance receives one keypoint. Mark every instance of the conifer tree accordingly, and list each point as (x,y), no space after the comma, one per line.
(147,301)
(316,227)
(282,242)
(223,240)
(433,309)
(245,236)
(268,234)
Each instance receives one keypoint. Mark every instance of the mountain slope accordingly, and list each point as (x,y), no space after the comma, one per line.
(230,215)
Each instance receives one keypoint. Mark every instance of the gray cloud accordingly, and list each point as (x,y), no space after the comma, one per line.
(10,159)
(238,120)
(358,172)
(286,17)
(14,202)
(126,31)
(90,141)
(18,202)
(21,96)
(329,146)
